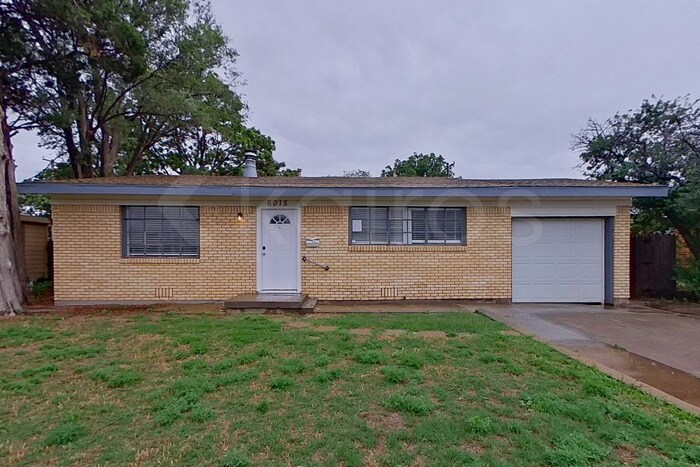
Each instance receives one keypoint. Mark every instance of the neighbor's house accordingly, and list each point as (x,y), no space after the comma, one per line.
(199,238)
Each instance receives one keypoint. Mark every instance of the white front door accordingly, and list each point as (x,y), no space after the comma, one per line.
(279,251)
(558,260)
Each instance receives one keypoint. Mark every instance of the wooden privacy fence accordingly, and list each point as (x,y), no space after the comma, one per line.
(652,265)
(37,251)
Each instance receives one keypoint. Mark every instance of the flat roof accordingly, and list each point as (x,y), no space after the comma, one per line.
(210,185)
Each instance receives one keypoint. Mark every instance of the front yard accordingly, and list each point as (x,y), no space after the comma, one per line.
(456,388)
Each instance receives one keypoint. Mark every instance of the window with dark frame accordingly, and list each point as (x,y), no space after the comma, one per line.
(152,231)
(407,226)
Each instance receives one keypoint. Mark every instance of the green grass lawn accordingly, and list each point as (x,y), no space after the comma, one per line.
(249,390)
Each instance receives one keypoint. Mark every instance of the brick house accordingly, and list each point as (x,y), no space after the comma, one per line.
(203,238)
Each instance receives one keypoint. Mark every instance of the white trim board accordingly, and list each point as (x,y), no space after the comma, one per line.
(600,208)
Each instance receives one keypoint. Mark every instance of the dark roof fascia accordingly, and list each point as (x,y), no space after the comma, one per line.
(47,188)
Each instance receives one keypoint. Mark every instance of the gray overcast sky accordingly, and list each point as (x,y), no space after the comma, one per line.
(497,87)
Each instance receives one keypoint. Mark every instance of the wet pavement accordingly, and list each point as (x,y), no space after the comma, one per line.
(657,348)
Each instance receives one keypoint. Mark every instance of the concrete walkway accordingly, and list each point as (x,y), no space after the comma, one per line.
(659,349)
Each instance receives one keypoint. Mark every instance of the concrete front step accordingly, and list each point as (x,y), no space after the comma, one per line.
(271,301)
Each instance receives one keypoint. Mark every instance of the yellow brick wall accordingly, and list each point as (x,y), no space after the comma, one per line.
(480,269)
(621,258)
(88,264)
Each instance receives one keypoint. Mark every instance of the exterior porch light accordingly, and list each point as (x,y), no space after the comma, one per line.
(239,216)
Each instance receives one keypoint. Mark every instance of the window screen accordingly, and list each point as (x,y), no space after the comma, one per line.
(160,231)
(407,226)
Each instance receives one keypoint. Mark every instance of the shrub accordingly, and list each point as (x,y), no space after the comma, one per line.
(688,278)
(41,287)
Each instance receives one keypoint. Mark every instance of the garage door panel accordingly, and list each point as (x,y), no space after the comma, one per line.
(558,260)
(562,251)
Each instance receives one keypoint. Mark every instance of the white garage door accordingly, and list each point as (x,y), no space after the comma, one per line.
(558,260)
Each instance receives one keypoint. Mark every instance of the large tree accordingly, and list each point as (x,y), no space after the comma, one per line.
(420,165)
(12,276)
(657,143)
(133,74)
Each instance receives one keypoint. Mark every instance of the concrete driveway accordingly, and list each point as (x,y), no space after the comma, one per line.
(658,348)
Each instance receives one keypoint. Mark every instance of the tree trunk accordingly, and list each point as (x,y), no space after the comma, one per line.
(12,277)
(686,232)
(692,242)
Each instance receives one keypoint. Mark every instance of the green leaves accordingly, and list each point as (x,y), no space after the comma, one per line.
(128,87)
(657,143)
(420,165)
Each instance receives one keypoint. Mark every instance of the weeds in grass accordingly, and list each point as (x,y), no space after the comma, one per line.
(70,351)
(328,376)
(595,388)
(68,431)
(281,383)
(183,395)
(631,415)
(447,322)
(513,369)
(42,372)
(235,458)
(19,335)
(198,346)
(575,449)
(115,377)
(207,382)
(492,358)
(223,365)
(202,413)
(410,359)
(323,360)
(236,377)
(479,424)
(293,366)
(395,375)
(369,357)
(407,403)
(263,407)
(252,357)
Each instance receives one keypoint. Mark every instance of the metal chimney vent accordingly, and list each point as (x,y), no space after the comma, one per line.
(250,168)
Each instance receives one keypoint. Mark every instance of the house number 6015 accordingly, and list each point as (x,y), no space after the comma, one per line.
(276,202)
